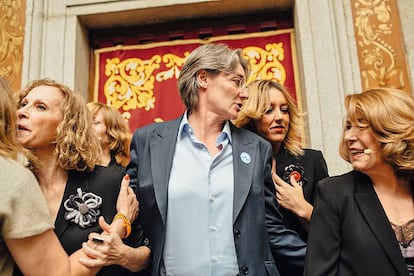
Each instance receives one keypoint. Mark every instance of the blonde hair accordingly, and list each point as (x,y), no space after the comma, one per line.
(390,114)
(9,147)
(256,106)
(77,146)
(116,128)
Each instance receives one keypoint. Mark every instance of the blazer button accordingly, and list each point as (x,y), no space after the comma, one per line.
(245,270)
(237,233)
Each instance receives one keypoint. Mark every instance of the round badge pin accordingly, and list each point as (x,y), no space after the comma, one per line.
(245,158)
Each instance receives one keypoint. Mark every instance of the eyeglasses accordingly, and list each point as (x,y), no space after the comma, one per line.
(240,82)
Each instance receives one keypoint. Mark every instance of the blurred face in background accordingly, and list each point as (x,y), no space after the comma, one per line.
(100,128)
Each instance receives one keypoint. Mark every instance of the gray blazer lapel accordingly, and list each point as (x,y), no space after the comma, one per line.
(376,218)
(244,160)
(162,144)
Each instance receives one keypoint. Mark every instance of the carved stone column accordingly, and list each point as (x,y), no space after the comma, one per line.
(379,39)
(12,22)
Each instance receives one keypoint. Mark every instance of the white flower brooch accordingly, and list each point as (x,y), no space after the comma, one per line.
(83,208)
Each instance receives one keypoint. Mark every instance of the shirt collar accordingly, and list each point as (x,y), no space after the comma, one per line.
(185,128)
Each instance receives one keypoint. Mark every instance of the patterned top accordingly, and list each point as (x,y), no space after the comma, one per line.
(405,237)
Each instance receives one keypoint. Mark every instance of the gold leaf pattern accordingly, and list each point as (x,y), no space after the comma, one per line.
(131,82)
(378,38)
(265,63)
(11,39)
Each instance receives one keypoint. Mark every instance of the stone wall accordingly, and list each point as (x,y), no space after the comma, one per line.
(57,45)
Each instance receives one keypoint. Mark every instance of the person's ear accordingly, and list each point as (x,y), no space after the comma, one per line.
(202,77)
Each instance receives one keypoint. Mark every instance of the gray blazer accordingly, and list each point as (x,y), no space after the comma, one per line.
(258,228)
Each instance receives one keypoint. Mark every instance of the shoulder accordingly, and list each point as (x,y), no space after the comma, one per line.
(313,153)
(110,172)
(314,158)
(247,136)
(16,173)
(100,177)
(116,165)
(7,163)
(339,184)
(157,126)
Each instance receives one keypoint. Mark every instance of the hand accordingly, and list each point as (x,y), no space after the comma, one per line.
(290,196)
(103,249)
(127,203)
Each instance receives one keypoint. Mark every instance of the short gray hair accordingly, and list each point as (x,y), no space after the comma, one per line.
(211,57)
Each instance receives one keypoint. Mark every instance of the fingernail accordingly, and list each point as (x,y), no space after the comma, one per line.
(127,177)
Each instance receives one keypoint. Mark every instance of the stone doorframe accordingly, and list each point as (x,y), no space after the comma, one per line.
(57,46)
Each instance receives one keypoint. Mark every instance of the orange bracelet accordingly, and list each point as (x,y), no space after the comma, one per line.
(127,224)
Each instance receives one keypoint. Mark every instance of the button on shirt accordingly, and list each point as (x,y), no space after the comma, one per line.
(199,232)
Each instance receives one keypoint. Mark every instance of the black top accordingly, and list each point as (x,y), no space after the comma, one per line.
(105,183)
(115,164)
(350,233)
(315,169)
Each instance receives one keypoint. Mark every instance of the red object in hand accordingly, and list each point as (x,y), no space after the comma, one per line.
(296,175)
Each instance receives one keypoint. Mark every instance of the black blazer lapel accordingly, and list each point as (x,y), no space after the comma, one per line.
(73,182)
(244,160)
(377,220)
(162,151)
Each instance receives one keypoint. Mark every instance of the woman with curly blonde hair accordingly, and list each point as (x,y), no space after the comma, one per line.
(271,112)
(56,126)
(113,133)
(25,224)
(75,146)
(363,221)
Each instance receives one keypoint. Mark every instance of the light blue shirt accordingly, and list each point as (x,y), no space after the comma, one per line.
(199,233)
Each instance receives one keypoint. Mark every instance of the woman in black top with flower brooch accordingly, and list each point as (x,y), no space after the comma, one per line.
(54,123)
(271,112)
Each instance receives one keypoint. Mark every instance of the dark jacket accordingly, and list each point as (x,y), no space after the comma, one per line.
(349,232)
(104,182)
(257,224)
(315,169)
